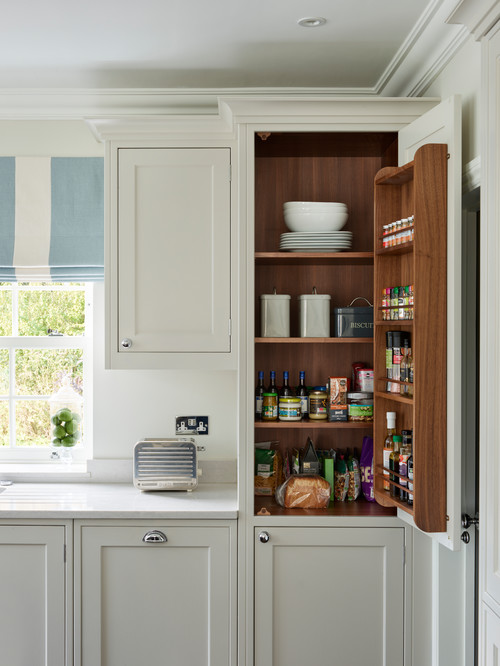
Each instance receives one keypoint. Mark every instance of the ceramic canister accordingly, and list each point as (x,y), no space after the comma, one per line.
(314,315)
(275,315)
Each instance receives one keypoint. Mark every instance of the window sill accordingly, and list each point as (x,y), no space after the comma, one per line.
(52,471)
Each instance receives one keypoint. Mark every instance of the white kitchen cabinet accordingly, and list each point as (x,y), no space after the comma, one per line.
(169,257)
(33,623)
(167,601)
(329,595)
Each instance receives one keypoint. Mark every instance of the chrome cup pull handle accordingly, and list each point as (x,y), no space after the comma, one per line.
(155,536)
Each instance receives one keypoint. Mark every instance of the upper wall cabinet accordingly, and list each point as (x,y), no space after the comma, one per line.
(170,234)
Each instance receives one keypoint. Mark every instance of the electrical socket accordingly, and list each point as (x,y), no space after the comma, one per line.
(191,425)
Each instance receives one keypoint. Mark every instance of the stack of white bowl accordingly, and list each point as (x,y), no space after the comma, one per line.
(315,227)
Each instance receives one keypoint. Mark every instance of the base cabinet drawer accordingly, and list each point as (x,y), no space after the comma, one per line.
(329,596)
(155,594)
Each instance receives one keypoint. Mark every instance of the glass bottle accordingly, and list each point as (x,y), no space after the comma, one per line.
(286,391)
(272,383)
(410,480)
(301,392)
(259,392)
(410,374)
(389,444)
(394,465)
(404,368)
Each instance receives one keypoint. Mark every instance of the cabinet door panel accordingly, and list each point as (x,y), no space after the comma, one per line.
(333,593)
(174,249)
(32,589)
(144,602)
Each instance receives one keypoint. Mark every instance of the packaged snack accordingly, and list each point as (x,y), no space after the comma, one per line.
(268,469)
(366,468)
(354,479)
(341,479)
(304,491)
(337,399)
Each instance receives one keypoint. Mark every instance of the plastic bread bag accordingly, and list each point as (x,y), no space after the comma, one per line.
(304,491)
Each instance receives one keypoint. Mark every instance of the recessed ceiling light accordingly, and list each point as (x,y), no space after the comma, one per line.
(312,21)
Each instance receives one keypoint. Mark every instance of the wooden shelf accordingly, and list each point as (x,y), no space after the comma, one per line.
(348,509)
(395,397)
(310,341)
(393,322)
(395,175)
(312,258)
(298,425)
(404,248)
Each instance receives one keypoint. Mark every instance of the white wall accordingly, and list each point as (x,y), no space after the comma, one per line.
(462,76)
(130,405)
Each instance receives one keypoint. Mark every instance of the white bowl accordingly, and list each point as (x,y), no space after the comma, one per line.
(332,220)
(314,205)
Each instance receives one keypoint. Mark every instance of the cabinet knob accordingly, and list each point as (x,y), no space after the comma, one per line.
(126,343)
(467,521)
(465,537)
(264,537)
(155,536)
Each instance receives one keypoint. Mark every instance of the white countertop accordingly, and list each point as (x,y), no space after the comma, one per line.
(116,500)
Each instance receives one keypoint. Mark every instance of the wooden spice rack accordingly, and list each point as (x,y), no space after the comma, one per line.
(417,189)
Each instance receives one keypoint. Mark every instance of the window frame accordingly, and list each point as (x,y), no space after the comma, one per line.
(83,450)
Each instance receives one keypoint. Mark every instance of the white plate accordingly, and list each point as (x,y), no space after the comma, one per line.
(314,249)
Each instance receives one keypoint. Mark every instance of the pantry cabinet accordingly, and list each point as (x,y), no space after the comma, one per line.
(332,151)
(154,593)
(330,595)
(35,619)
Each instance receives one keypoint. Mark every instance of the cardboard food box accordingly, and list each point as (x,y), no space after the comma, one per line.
(337,399)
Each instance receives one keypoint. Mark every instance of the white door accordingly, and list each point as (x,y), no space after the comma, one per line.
(155,602)
(442,124)
(329,596)
(32,593)
(174,250)
(489,487)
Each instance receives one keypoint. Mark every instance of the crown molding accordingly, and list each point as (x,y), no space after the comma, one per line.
(427,50)
(79,104)
(479,16)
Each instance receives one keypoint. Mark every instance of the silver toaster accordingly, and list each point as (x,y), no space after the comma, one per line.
(166,464)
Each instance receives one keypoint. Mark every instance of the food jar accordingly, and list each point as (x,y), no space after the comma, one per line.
(65,419)
(270,407)
(275,315)
(360,406)
(290,409)
(318,403)
(314,315)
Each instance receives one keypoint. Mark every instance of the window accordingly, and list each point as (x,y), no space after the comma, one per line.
(45,342)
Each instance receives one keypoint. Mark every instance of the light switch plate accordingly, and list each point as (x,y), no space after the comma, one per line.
(191,425)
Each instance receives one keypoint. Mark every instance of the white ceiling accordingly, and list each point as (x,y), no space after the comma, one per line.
(204,44)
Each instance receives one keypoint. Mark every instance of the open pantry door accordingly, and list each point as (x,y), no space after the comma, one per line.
(442,124)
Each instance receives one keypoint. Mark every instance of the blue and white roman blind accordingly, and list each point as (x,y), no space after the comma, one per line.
(51,219)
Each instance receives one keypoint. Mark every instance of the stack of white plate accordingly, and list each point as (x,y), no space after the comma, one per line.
(316,241)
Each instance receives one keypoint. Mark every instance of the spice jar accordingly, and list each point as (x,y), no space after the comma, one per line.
(318,401)
(289,409)
(270,407)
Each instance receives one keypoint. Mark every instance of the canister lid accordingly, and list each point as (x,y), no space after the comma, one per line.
(269,297)
(316,297)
